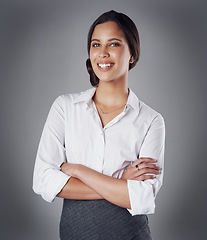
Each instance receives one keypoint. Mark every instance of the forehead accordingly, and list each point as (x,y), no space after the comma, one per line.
(107,30)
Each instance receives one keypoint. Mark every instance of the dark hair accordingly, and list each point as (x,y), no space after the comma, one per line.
(130,31)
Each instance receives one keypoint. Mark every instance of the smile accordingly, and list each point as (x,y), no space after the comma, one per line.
(105,65)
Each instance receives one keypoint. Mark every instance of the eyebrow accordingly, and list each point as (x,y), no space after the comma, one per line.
(110,40)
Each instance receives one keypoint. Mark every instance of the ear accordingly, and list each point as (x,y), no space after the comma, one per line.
(131,60)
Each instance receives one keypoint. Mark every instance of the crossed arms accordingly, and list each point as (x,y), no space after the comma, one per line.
(86,183)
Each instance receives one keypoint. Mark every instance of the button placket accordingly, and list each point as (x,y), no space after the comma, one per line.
(96,115)
(100,150)
(115,120)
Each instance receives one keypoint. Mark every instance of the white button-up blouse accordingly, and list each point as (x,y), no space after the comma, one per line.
(73,133)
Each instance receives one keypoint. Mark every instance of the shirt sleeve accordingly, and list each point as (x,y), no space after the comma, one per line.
(142,193)
(48,180)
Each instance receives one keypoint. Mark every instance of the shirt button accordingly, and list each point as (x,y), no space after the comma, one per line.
(99,157)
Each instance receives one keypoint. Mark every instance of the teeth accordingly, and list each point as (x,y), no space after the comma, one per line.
(105,65)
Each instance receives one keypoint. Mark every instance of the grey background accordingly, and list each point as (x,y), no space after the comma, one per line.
(43,53)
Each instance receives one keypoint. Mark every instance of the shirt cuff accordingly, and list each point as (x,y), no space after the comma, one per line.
(141,197)
(53,184)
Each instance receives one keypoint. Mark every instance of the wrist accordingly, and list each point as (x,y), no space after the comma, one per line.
(70,169)
(63,167)
(76,169)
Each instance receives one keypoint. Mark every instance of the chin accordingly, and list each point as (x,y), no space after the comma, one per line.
(105,78)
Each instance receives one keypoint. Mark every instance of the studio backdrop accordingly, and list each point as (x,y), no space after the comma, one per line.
(43,52)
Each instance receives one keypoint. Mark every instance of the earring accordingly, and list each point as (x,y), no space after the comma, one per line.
(131,60)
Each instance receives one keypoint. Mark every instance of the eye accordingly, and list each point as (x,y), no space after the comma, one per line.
(115,44)
(95,45)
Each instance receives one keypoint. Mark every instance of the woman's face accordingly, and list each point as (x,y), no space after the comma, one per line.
(109,52)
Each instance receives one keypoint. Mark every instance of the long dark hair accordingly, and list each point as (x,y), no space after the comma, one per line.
(130,31)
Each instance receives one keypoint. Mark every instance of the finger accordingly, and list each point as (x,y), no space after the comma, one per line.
(137,165)
(146,160)
(143,160)
(144,171)
(144,168)
(148,165)
(145,177)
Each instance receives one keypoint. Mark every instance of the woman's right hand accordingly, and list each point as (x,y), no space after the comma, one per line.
(141,169)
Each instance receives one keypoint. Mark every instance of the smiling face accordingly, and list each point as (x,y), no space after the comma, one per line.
(109,52)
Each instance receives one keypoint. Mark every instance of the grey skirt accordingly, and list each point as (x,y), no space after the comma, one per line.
(101,220)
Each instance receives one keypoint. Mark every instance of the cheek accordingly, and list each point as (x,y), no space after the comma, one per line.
(93,54)
(123,53)
(92,57)
(127,54)
(124,57)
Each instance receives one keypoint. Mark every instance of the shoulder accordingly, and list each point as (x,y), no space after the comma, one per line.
(144,112)
(70,98)
(67,97)
(149,114)
(146,109)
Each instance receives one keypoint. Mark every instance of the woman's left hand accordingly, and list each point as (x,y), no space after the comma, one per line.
(142,169)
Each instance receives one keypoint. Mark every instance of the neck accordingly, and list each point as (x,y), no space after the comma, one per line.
(112,93)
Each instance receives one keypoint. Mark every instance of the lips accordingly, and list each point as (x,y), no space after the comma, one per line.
(105,66)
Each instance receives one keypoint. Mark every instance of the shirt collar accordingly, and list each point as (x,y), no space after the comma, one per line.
(133,100)
(87,95)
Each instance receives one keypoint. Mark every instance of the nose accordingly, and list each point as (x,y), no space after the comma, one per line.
(104,52)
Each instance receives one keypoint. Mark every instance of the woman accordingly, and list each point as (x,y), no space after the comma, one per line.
(102,150)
